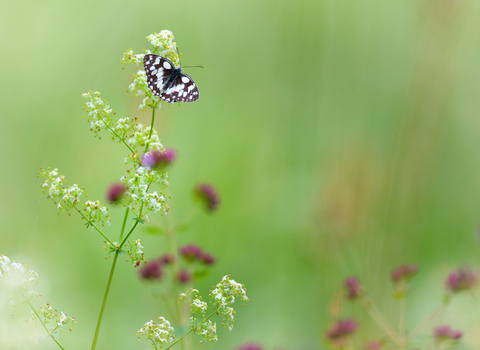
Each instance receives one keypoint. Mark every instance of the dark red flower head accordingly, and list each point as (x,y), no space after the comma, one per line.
(191,252)
(445,332)
(115,192)
(184,276)
(207,195)
(404,272)
(166,259)
(339,332)
(462,279)
(151,270)
(353,287)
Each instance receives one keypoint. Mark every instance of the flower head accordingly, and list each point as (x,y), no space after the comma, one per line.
(207,259)
(445,332)
(340,331)
(191,252)
(115,192)
(462,279)
(353,287)
(404,272)
(158,333)
(184,276)
(159,159)
(207,195)
(152,270)
(166,259)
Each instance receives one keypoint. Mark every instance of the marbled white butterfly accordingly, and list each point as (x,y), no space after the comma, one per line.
(168,82)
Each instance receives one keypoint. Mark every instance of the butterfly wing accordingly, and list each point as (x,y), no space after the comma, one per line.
(184,89)
(158,69)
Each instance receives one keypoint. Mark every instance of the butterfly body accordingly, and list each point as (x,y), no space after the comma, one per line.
(167,82)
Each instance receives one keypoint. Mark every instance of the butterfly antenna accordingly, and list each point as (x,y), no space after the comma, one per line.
(193,67)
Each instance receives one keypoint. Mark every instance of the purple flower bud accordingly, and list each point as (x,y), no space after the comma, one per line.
(353,287)
(445,332)
(373,345)
(166,259)
(208,196)
(462,279)
(191,252)
(404,272)
(207,259)
(184,276)
(250,346)
(159,159)
(339,332)
(151,270)
(115,192)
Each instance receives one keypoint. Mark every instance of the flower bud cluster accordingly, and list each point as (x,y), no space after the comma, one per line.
(48,314)
(200,323)
(159,333)
(223,295)
(67,198)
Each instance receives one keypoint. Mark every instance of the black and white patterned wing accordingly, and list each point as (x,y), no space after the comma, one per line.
(183,89)
(158,69)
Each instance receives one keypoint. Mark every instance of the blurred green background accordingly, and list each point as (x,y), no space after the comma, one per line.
(343,138)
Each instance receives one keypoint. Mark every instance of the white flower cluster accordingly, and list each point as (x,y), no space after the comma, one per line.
(48,314)
(140,136)
(137,196)
(135,252)
(95,212)
(17,280)
(165,46)
(67,198)
(223,295)
(130,57)
(158,333)
(101,117)
(208,330)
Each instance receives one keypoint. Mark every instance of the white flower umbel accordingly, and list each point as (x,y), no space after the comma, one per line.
(101,117)
(137,196)
(208,330)
(67,198)
(46,314)
(159,333)
(223,295)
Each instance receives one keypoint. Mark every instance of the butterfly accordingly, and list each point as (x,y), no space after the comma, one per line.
(168,82)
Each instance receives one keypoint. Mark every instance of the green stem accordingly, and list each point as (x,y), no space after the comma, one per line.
(41,321)
(190,331)
(115,133)
(104,303)
(151,130)
(93,225)
(109,283)
(379,319)
(402,322)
